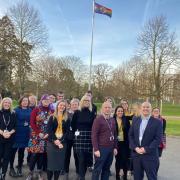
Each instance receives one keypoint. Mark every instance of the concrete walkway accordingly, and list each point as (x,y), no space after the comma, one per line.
(169,168)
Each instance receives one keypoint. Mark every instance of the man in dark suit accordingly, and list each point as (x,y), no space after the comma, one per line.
(144,137)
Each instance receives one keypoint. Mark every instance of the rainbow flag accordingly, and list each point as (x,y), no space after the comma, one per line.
(102,10)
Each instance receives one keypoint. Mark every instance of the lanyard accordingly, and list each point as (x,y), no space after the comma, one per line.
(6,124)
(110,128)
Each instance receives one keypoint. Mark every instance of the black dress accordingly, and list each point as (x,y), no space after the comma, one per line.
(55,155)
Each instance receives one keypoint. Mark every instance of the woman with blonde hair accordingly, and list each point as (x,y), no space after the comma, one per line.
(7,130)
(82,122)
(57,130)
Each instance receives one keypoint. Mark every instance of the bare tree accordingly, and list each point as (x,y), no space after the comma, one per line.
(101,76)
(31,35)
(160,48)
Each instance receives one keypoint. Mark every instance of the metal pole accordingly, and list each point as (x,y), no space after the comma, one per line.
(92,37)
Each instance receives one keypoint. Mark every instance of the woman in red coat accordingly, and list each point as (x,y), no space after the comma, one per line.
(38,137)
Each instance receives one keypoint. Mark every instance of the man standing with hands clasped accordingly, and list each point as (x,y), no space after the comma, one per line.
(104,140)
(144,138)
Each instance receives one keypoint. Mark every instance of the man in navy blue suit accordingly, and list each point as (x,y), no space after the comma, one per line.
(144,137)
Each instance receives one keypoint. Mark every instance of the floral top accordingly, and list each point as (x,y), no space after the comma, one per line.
(38,122)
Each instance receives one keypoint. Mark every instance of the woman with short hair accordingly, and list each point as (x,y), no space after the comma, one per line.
(21,140)
(7,130)
(32,101)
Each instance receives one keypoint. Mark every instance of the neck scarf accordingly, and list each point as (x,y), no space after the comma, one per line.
(59,132)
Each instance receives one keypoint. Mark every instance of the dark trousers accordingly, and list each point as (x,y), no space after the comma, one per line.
(50,175)
(28,157)
(90,160)
(83,163)
(68,157)
(44,165)
(160,150)
(36,158)
(102,164)
(122,159)
(20,157)
(5,150)
(142,164)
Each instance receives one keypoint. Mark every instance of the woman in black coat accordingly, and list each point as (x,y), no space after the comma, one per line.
(82,122)
(7,130)
(122,127)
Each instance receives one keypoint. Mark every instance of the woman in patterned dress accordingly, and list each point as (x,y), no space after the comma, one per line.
(38,137)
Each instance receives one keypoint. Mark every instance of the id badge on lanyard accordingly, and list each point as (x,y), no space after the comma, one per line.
(26,124)
(111,138)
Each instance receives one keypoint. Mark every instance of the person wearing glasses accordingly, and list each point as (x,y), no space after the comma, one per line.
(81,125)
(38,136)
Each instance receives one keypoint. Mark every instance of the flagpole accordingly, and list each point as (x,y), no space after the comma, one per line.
(92,38)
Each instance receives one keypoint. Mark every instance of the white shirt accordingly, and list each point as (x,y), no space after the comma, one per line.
(143,126)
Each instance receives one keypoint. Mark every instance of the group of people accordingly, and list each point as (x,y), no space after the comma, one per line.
(50,130)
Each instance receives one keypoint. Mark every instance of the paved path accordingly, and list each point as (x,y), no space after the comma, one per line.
(169,168)
(172,117)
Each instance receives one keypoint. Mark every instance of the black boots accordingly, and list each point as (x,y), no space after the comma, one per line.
(12,172)
(19,172)
(2,176)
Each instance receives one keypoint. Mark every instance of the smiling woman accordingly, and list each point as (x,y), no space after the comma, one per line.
(81,126)
(7,130)
(38,136)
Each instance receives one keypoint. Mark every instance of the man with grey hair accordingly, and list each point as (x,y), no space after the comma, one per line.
(144,138)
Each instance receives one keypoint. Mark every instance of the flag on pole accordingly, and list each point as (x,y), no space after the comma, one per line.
(102,10)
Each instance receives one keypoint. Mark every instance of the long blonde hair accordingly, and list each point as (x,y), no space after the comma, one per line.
(65,115)
(4,99)
(81,103)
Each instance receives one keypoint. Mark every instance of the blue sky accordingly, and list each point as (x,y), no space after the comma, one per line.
(69,26)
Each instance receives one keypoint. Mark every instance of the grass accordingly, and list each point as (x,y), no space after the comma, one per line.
(173,127)
(167,110)
(171,110)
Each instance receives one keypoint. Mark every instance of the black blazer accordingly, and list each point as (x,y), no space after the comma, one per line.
(11,125)
(125,128)
(151,138)
(52,127)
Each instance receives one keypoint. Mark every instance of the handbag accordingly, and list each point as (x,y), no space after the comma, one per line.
(164,141)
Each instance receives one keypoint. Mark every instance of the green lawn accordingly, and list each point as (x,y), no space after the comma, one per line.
(167,110)
(173,127)
(171,110)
